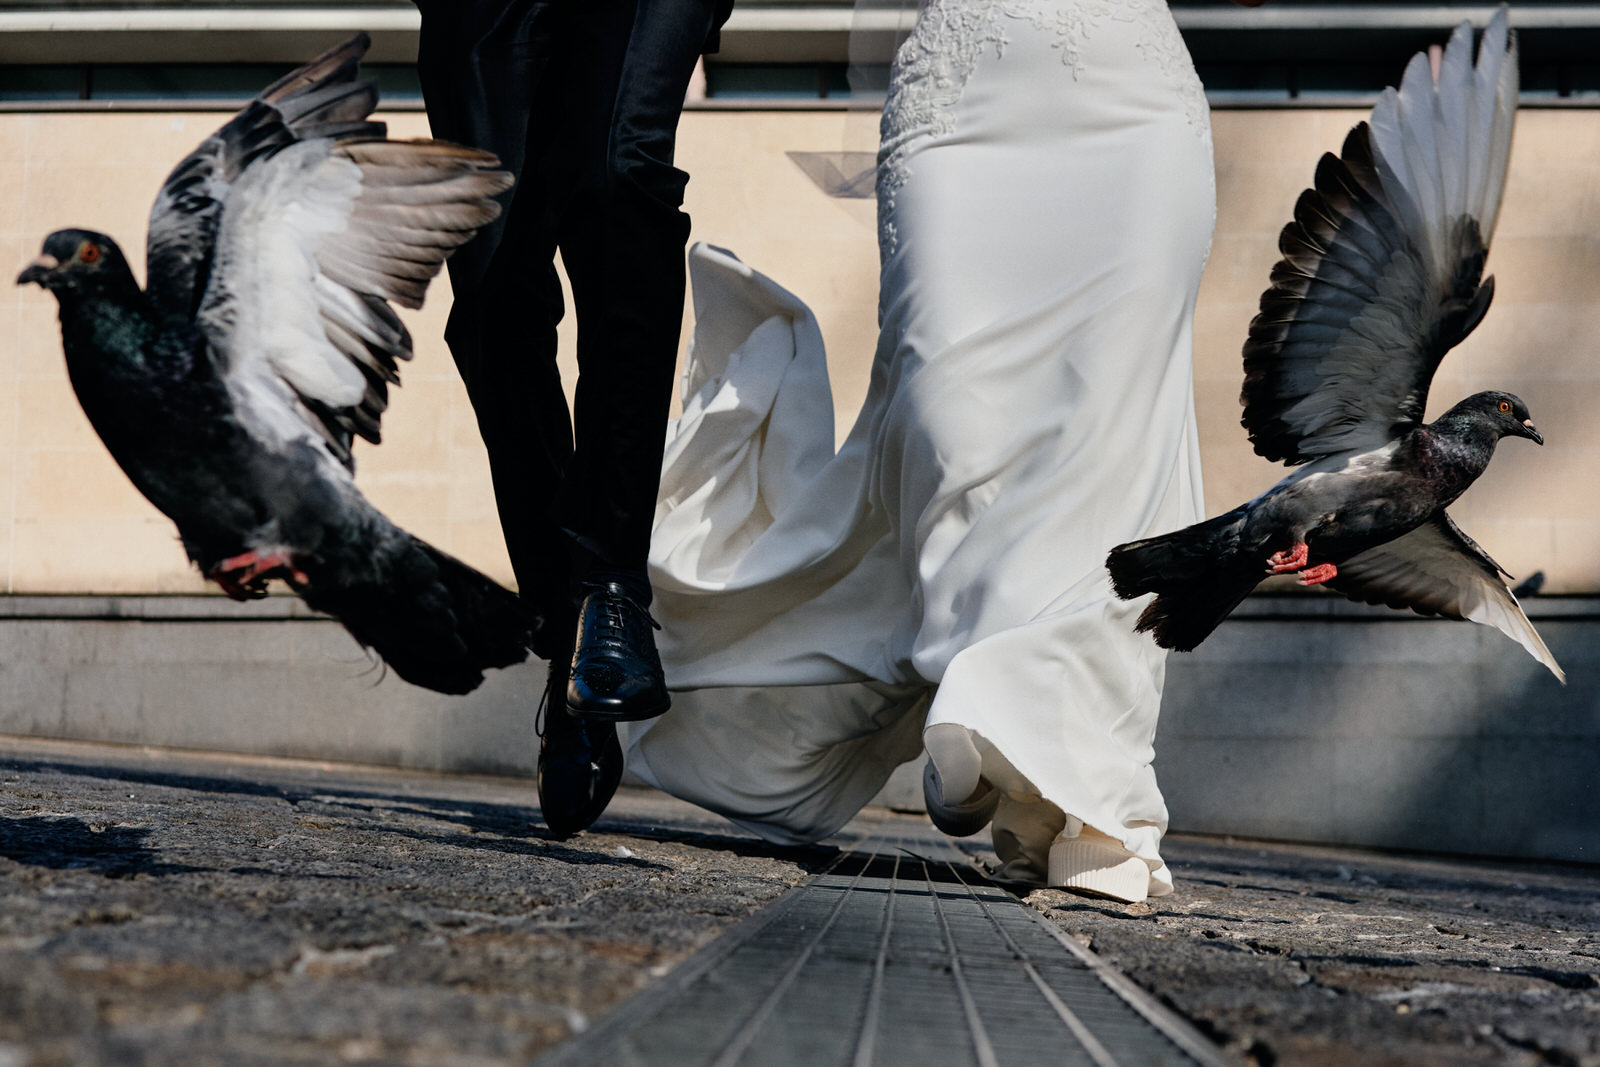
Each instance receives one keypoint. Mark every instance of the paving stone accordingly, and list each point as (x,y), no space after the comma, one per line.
(160,908)
(1298,955)
(178,909)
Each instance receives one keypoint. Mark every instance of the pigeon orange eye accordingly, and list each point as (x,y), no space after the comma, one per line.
(89,253)
(1505,405)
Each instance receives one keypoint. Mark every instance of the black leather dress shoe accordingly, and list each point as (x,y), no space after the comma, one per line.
(580,763)
(616,672)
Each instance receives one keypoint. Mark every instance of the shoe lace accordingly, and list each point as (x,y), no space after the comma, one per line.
(612,622)
(556,679)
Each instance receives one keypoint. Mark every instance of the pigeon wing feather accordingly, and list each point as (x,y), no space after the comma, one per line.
(322,98)
(1382,269)
(1437,569)
(315,242)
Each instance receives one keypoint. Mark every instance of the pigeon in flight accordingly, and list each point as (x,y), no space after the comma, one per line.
(1382,274)
(231,388)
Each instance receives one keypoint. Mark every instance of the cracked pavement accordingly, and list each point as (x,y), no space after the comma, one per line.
(160,907)
(1296,954)
(165,908)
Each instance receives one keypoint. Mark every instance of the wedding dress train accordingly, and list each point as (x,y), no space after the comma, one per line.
(1046,201)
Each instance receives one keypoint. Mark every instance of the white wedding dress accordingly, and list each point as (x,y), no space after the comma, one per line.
(1046,202)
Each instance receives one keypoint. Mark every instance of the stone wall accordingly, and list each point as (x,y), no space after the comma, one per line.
(70,523)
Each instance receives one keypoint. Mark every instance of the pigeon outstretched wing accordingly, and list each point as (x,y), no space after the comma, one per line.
(1437,569)
(306,222)
(1382,269)
(321,99)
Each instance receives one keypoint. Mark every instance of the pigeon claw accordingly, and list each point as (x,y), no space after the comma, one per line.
(1290,561)
(1322,572)
(244,577)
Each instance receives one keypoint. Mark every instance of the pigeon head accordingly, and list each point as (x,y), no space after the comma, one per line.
(1503,411)
(78,261)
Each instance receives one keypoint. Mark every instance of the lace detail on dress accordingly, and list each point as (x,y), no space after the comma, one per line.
(1069,24)
(933,64)
(1161,43)
(930,71)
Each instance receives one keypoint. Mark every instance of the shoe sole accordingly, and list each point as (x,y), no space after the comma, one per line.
(654,711)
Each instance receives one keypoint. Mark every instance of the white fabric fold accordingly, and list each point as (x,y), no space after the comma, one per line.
(1030,406)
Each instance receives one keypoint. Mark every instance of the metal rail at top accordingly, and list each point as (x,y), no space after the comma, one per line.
(759,30)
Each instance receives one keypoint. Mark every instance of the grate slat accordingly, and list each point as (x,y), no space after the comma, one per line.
(898,955)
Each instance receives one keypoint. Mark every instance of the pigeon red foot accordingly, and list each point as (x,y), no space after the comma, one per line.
(1322,572)
(1290,561)
(244,577)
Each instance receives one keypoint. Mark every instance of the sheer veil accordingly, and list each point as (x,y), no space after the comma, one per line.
(849,173)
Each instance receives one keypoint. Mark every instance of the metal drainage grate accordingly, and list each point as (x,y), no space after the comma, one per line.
(898,954)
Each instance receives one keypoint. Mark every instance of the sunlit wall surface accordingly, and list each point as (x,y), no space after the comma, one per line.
(89,124)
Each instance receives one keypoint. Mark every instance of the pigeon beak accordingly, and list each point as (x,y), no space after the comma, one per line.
(1530,433)
(38,270)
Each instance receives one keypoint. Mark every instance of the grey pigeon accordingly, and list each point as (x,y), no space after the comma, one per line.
(231,388)
(1382,274)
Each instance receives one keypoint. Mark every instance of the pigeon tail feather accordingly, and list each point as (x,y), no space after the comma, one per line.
(1161,564)
(1183,618)
(436,621)
(1199,574)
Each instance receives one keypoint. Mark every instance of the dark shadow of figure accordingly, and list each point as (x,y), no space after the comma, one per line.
(66,843)
(512,828)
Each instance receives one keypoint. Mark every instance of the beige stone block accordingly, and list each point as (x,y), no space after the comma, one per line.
(404,125)
(1527,481)
(1562,409)
(1235,476)
(463,424)
(471,491)
(149,143)
(105,198)
(8,475)
(13,187)
(49,414)
(6,555)
(416,432)
(14,136)
(1527,339)
(1217,411)
(1270,137)
(1550,199)
(1221,328)
(1520,545)
(38,335)
(417,503)
(1240,268)
(188,579)
(17,248)
(123,554)
(1450,385)
(1577,553)
(84,484)
(1547,269)
(431,358)
(1257,199)
(1543,137)
(10,322)
(481,544)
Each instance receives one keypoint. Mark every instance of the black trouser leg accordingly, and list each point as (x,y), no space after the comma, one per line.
(483,66)
(622,240)
(581,101)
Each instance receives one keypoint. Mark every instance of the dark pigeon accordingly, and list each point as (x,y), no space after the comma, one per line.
(231,389)
(1382,275)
